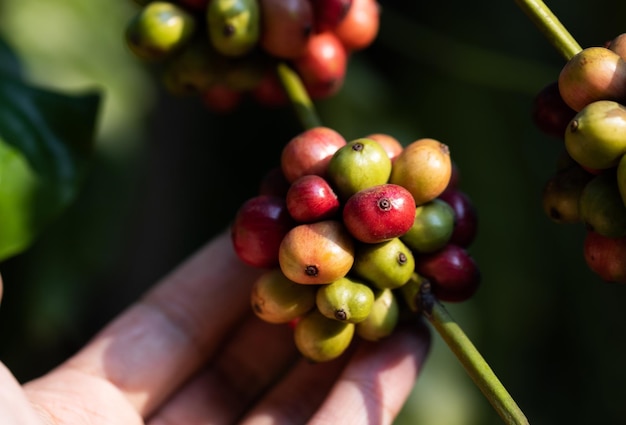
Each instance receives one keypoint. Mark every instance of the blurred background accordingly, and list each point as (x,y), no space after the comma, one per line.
(169,174)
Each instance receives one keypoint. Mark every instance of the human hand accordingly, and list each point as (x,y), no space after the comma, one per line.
(192,352)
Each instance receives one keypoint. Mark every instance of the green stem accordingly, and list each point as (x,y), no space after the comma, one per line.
(474,364)
(298,96)
(551,27)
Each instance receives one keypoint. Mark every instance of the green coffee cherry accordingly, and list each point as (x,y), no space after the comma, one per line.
(321,339)
(233,25)
(410,292)
(387,264)
(158,30)
(432,228)
(596,136)
(359,164)
(276,299)
(345,300)
(383,318)
(601,206)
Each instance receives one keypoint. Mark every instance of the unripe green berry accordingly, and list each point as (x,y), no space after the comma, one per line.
(360,164)
(383,318)
(320,339)
(346,300)
(385,265)
(432,227)
(158,30)
(276,299)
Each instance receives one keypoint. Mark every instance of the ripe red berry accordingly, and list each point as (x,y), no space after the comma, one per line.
(392,146)
(310,198)
(359,27)
(379,213)
(550,113)
(310,152)
(455,176)
(329,13)
(323,65)
(274,183)
(605,256)
(465,216)
(286,27)
(452,272)
(258,229)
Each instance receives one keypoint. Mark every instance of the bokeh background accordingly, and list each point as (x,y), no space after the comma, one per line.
(168,175)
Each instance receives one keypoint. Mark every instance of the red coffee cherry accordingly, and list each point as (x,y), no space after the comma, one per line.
(465,216)
(452,272)
(286,26)
(323,65)
(379,213)
(258,230)
(310,152)
(359,28)
(329,13)
(550,113)
(392,146)
(310,198)
(605,256)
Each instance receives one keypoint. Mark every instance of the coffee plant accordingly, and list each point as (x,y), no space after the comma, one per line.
(354,234)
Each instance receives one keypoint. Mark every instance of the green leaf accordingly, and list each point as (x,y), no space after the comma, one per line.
(46,141)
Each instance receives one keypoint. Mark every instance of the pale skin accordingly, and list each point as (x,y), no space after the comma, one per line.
(191,352)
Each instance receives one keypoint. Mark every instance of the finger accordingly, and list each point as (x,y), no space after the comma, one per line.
(159,342)
(257,355)
(296,398)
(379,378)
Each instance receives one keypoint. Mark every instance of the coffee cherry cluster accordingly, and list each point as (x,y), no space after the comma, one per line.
(349,231)
(223,50)
(585,107)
